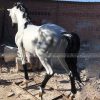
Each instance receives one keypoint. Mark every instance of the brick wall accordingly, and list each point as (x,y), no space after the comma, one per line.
(83,18)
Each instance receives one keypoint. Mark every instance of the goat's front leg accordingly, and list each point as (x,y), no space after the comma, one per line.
(18,41)
(24,64)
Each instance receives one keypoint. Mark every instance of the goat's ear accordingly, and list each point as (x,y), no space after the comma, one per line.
(8,9)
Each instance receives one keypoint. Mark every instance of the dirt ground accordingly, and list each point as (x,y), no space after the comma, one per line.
(60,83)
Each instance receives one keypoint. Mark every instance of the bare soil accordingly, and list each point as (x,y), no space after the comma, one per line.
(60,83)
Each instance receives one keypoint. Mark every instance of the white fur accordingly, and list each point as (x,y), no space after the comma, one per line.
(35,40)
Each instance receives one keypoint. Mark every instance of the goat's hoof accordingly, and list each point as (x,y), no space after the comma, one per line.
(71,96)
(40,92)
(25,83)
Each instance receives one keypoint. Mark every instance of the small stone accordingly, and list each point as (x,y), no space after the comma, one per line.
(96,98)
(98,81)
(10,94)
(1,97)
(87,98)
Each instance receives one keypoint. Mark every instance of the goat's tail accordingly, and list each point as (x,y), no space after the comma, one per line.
(73,42)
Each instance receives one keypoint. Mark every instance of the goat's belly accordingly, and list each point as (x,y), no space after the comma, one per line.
(29,46)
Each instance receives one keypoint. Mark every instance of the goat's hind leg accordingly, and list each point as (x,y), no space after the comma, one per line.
(70,74)
(24,64)
(49,73)
(75,72)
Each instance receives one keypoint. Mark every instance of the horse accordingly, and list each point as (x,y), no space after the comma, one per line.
(42,42)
